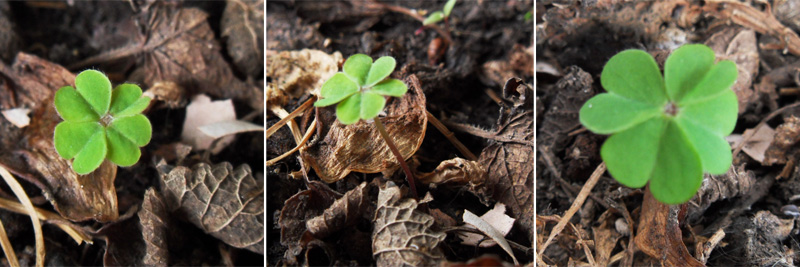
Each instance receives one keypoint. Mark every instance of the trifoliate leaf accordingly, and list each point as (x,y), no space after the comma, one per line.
(390,87)
(95,87)
(448,7)
(121,150)
(380,70)
(356,67)
(678,173)
(349,110)
(338,87)
(631,155)
(634,74)
(72,107)
(433,18)
(92,154)
(136,129)
(371,105)
(127,100)
(611,113)
(685,68)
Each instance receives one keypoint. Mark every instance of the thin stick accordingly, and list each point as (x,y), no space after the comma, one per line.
(274,128)
(416,16)
(576,205)
(11,256)
(450,136)
(750,134)
(300,144)
(26,202)
(393,148)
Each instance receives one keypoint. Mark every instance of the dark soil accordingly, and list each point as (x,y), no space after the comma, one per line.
(455,87)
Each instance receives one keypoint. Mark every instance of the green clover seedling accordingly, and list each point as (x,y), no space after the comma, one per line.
(100,123)
(440,15)
(669,130)
(361,88)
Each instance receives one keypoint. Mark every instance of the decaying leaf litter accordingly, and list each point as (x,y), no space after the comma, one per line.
(746,216)
(187,201)
(337,195)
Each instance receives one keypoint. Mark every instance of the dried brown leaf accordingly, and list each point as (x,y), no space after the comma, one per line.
(786,135)
(32,82)
(243,25)
(659,234)
(359,146)
(344,212)
(154,222)
(226,203)
(561,115)
(736,182)
(756,147)
(297,210)
(739,45)
(455,171)
(295,73)
(124,243)
(403,236)
(605,238)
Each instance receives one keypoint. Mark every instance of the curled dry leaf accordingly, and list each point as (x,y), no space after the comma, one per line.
(226,203)
(605,237)
(243,25)
(455,171)
(496,218)
(756,147)
(786,135)
(202,111)
(297,210)
(359,146)
(77,198)
(490,231)
(172,94)
(659,234)
(401,235)
(344,212)
(154,222)
(736,182)
(296,73)
(739,45)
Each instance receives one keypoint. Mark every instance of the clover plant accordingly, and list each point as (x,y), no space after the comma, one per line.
(361,88)
(440,15)
(666,130)
(100,123)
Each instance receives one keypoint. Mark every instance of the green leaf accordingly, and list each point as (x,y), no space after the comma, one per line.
(610,113)
(371,105)
(631,155)
(714,151)
(136,129)
(433,18)
(380,70)
(95,87)
(685,68)
(448,7)
(721,77)
(634,74)
(90,158)
(718,114)
(71,137)
(72,107)
(121,150)
(356,67)
(349,110)
(390,87)
(678,172)
(127,100)
(338,87)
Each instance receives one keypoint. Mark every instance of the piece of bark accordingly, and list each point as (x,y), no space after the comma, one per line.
(226,203)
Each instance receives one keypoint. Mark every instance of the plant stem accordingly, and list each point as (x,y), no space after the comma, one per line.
(393,148)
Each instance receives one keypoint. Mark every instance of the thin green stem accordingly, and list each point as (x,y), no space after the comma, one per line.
(393,148)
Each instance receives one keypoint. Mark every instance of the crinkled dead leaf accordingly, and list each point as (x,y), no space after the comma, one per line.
(786,135)
(739,45)
(297,210)
(243,26)
(296,73)
(154,222)
(402,236)
(509,172)
(561,111)
(455,171)
(344,212)
(659,234)
(226,203)
(359,147)
(30,153)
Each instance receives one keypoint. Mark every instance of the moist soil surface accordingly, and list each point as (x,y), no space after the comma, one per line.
(744,217)
(462,84)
